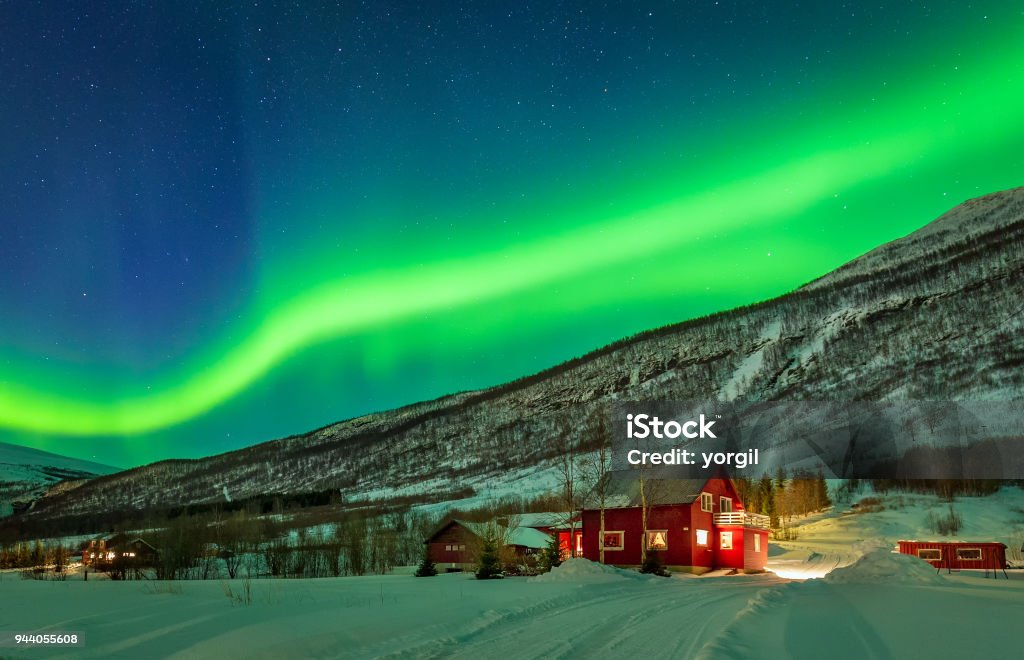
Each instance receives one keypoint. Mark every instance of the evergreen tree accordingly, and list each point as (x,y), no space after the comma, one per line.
(426,568)
(552,556)
(822,499)
(489,566)
(766,490)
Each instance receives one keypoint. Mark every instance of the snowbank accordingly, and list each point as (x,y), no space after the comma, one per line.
(880,565)
(584,571)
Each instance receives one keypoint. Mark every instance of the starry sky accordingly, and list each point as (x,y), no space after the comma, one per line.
(233,221)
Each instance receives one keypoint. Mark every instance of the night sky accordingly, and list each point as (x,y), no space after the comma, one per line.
(235,221)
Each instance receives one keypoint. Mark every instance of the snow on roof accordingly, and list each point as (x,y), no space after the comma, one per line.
(528,537)
(623,490)
(545,519)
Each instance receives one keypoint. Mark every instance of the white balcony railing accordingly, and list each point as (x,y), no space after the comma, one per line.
(742,518)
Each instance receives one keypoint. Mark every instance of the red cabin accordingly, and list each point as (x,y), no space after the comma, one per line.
(695,525)
(558,524)
(958,555)
(455,545)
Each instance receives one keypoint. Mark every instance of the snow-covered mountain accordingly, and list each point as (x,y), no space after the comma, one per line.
(935,315)
(26,474)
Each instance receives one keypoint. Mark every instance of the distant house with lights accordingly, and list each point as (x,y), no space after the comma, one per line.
(455,544)
(694,525)
(120,547)
(557,524)
(959,555)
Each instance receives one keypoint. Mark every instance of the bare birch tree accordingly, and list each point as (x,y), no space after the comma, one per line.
(597,467)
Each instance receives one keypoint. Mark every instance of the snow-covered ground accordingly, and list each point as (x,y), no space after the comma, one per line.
(833,539)
(876,604)
(885,606)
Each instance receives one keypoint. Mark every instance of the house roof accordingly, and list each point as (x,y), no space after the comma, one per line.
(524,536)
(121,539)
(527,537)
(623,490)
(545,519)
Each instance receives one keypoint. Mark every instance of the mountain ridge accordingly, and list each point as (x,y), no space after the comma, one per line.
(26,474)
(912,305)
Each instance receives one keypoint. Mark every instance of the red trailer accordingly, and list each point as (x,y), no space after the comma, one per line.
(959,555)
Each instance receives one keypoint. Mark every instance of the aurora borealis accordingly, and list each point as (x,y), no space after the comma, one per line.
(233,223)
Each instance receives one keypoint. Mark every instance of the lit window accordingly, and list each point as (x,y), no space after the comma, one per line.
(462,546)
(448,548)
(969,554)
(579,545)
(702,537)
(726,541)
(614,540)
(706,502)
(657,540)
(757,542)
(929,554)
(725,505)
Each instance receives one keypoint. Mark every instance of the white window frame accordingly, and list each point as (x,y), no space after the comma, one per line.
(978,558)
(723,502)
(721,540)
(936,550)
(757,542)
(622,540)
(647,534)
(710,499)
(698,535)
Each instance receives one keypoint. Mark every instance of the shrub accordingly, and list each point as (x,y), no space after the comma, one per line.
(653,566)
(948,524)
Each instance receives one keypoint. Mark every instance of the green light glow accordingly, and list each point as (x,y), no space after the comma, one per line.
(765,188)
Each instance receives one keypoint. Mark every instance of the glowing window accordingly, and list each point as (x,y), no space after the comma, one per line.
(702,537)
(757,542)
(929,554)
(706,502)
(969,554)
(614,540)
(657,539)
(726,543)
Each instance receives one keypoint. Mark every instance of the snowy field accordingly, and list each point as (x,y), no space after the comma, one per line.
(863,602)
(885,606)
(835,538)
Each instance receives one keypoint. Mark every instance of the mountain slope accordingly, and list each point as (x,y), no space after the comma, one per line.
(935,315)
(25,474)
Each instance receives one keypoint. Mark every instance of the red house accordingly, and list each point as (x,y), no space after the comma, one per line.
(958,555)
(456,544)
(557,524)
(694,525)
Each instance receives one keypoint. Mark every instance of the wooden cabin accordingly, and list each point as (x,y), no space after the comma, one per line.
(557,524)
(120,547)
(455,545)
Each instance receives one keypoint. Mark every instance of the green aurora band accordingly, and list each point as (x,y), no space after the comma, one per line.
(908,134)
